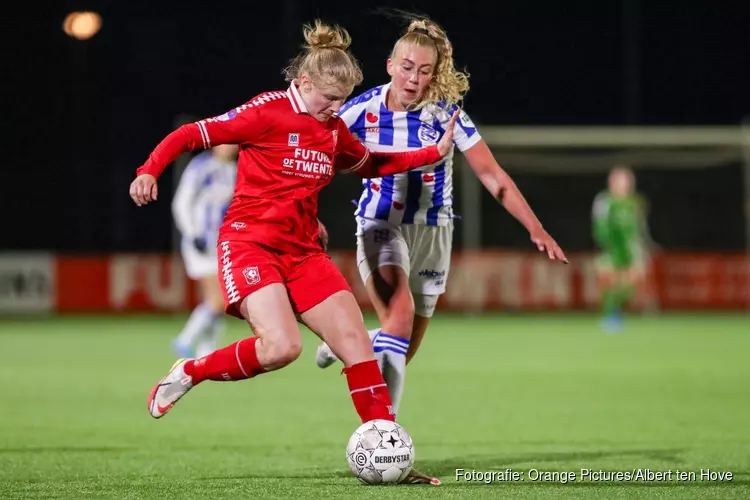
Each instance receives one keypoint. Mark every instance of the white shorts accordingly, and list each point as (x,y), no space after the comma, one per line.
(199,265)
(422,251)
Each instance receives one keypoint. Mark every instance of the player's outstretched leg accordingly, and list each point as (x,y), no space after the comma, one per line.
(237,361)
(390,353)
(276,344)
(338,322)
(389,291)
(388,288)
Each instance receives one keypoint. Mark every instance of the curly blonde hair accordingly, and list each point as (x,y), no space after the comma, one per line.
(448,85)
(326,57)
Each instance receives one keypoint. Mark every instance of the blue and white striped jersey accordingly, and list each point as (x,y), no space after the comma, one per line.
(423,195)
(203,195)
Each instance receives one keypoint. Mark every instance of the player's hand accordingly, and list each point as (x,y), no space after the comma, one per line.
(446,142)
(143,189)
(200,244)
(322,235)
(545,243)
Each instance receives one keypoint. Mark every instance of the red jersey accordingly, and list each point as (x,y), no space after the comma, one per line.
(286,157)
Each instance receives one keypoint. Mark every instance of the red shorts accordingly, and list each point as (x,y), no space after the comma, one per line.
(246,266)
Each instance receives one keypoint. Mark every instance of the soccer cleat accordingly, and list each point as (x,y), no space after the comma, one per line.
(324,357)
(169,390)
(416,477)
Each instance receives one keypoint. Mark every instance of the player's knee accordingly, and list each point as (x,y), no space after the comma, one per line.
(398,325)
(285,350)
(399,315)
(355,337)
(399,322)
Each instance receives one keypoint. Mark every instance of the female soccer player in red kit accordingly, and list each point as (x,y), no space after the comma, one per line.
(271,262)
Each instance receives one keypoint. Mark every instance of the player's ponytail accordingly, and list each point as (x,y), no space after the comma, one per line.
(448,84)
(321,36)
(326,57)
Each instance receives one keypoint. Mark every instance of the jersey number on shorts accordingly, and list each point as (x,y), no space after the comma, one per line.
(381,235)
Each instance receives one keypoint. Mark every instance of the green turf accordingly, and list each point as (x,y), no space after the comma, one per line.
(491,393)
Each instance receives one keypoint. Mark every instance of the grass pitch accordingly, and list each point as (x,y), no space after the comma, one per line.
(494,393)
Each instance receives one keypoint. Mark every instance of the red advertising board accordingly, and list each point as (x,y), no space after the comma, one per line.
(485,280)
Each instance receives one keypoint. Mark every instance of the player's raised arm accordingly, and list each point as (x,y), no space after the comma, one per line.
(353,156)
(239,125)
(503,189)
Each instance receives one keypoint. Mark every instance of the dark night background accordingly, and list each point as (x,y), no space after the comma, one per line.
(81,116)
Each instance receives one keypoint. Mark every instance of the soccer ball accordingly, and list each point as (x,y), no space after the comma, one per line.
(380,451)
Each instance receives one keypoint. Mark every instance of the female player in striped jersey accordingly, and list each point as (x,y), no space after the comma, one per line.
(405,221)
(202,197)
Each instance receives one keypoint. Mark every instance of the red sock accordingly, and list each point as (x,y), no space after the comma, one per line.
(369,392)
(234,362)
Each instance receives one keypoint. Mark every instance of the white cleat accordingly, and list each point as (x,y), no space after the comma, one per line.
(169,390)
(324,357)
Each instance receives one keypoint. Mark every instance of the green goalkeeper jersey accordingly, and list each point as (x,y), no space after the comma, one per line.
(618,227)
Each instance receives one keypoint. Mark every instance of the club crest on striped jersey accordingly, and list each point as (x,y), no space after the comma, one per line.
(428,134)
(293,139)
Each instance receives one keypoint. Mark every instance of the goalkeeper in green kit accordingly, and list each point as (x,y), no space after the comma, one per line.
(621,233)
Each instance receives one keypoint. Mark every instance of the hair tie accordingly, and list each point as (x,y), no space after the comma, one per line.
(423,31)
